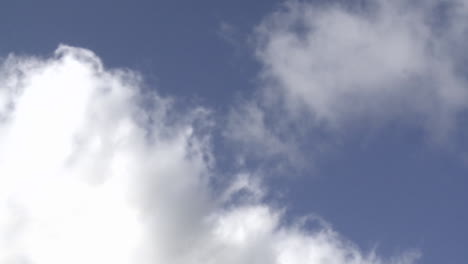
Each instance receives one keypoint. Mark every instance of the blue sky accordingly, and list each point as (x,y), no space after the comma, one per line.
(161,39)
(261,114)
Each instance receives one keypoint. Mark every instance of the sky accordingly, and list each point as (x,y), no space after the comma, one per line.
(269,131)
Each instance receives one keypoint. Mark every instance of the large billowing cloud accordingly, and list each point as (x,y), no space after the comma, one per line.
(93,169)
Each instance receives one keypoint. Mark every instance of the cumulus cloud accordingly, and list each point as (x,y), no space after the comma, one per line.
(83,165)
(95,170)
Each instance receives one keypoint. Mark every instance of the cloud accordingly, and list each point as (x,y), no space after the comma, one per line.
(390,60)
(250,124)
(93,169)
(330,69)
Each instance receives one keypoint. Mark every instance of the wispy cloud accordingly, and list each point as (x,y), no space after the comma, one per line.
(327,69)
(341,64)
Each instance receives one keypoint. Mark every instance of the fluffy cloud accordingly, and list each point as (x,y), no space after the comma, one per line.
(391,59)
(95,170)
(330,68)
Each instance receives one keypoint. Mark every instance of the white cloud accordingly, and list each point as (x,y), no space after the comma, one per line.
(398,60)
(93,170)
(329,70)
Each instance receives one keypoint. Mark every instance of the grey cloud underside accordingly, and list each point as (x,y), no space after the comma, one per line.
(91,172)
